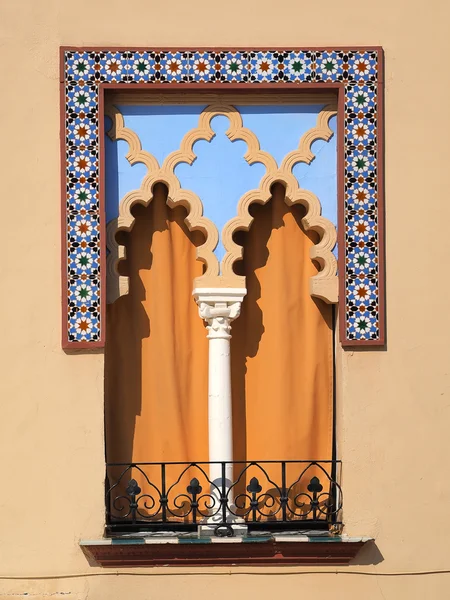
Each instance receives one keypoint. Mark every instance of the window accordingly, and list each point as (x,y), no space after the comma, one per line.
(259,452)
(166,228)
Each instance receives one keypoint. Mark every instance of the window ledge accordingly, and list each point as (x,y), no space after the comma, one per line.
(282,549)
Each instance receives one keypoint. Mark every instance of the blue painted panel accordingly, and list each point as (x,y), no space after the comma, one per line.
(279,128)
(120,176)
(161,128)
(220,175)
(320,177)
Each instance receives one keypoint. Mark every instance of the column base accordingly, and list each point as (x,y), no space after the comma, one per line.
(214,526)
(232,529)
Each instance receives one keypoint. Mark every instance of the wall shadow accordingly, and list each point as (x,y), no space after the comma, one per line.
(369,555)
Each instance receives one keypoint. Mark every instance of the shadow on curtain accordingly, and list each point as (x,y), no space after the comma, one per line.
(156,358)
(282,350)
(156,350)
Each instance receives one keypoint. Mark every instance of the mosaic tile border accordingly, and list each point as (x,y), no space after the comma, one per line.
(357,75)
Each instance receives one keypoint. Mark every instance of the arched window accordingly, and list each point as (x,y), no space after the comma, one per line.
(221,217)
(220,207)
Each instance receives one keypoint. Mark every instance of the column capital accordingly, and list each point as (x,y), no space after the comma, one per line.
(219,307)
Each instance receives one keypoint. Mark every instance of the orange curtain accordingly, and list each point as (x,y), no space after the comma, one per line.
(157,350)
(282,366)
(282,344)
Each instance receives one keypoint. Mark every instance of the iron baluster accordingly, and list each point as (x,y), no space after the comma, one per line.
(283,497)
(254,488)
(163,499)
(107,496)
(223,499)
(315,487)
(133,490)
(194,488)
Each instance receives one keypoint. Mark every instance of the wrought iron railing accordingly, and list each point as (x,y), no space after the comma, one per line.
(271,495)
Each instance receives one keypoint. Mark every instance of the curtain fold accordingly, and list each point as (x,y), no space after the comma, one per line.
(156,358)
(282,367)
(282,344)
(156,350)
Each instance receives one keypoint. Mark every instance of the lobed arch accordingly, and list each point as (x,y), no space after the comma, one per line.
(118,285)
(324,285)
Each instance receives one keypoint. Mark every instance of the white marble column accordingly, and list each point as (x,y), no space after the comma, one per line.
(219,307)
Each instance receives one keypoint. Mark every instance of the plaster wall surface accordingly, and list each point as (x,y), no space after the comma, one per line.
(393,404)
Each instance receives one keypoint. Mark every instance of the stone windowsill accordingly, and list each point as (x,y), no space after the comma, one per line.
(190,550)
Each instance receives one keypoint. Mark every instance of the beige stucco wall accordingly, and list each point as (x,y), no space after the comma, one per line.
(394,412)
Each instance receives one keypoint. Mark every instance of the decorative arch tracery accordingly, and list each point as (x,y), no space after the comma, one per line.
(324,285)
(118,285)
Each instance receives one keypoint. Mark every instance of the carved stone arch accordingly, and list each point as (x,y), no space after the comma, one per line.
(118,285)
(325,284)
(204,131)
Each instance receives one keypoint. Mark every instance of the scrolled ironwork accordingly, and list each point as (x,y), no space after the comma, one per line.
(132,497)
(195,501)
(283,495)
(312,500)
(256,501)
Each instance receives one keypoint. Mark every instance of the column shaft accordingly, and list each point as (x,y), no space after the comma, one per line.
(219,307)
